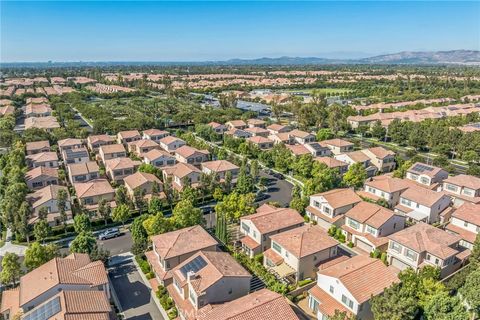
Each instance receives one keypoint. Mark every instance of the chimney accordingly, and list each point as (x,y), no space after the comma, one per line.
(190,275)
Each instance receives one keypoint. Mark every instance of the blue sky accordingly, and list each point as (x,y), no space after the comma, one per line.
(193,31)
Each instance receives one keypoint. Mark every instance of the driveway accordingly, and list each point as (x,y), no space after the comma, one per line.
(278,190)
(133,295)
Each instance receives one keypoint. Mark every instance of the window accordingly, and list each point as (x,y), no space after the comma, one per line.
(412,255)
(276,247)
(406,202)
(396,247)
(469,192)
(451,187)
(353,224)
(286,254)
(424,180)
(371,230)
(245,227)
(413,176)
(465,224)
(316,204)
(347,302)
(332,289)
(192,297)
(177,285)
(326,210)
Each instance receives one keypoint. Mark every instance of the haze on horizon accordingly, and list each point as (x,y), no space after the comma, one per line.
(197,31)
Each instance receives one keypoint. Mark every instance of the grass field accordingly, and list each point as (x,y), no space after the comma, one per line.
(322,90)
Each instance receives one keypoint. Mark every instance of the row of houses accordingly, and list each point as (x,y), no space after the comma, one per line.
(38,114)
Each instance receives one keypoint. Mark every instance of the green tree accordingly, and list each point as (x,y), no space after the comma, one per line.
(104,210)
(81,223)
(23,226)
(378,131)
(158,224)
(41,230)
(11,269)
(470,291)
(121,196)
(84,242)
(244,181)
(442,306)
(186,215)
(324,134)
(254,170)
(355,176)
(394,304)
(155,205)
(121,214)
(37,254)
(62,197)
(235,205)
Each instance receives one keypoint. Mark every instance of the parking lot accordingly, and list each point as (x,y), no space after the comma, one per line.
(133,294)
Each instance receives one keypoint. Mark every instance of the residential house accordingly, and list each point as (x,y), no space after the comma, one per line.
(47,197)
(236,124)
(111,151)
(207,277)
(302,137)
(37,147)
(38,110)
(186,154)
(295,254)
(425,245)
(220,169)
(348,287)
(40,177)
(182,174)
(126,137)
(318,149)
(144,182)
(256,123)
(268,220)
(465,223)
(297,150)
(73,287)
(238,133)
(426,175)
(385,187)
(339,146)
(329,208)
(119,168)
(257,131)
(44,159)
(282,137)
(261,142)
(83,172)
(159,158)
(92,192)
(367,226)
(172,248)
(333,163)
(381,158)
(259,305)
(462,188)
(155,134)
(276,128)
(140,147)
(48,123)
(170,144)
(77,155)
(421,204)
(218,127)
(95,142)
(6,110)
(69,143)
(358,157)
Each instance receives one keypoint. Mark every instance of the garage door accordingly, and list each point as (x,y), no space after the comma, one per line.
(399,264)
(364,246)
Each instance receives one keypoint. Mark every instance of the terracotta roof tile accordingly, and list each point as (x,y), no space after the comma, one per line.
(268,219)
(338,198)
(93,188)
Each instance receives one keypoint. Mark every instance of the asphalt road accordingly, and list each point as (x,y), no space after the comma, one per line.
(278,190)
(121,244)
(134,296)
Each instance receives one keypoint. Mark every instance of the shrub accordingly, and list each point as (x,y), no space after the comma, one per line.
(375,254)
(332,231)
(383,257)
(173,313)
(304,282)
(258,258)
(150,275)
(350,244)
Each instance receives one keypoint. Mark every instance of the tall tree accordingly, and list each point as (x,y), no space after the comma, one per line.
(11,269)
(41,230)
(121,196)
(37,254)
(104,210)
(121,214)
(471,289)
(84,242)
(442,306)
(355,176)
(186,215)
(81,223)
(62,207)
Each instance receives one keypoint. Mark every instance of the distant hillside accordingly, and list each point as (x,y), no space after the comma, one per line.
(436,57)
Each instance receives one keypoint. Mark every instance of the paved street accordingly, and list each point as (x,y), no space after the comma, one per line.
(118,245)
(278,190)
(134,296)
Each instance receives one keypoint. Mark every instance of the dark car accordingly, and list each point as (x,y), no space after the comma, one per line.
(109,233)
(279,176)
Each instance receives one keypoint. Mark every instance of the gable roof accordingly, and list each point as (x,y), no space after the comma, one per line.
(331,162)
(468,212)
(357,156)
(140,178)
(268,218)
(259,305)
(299,133)
(121,163)
(424,237)
(370,213)
(430,173)
(40,171)
(129,134)
(381,152)
(181,169)
(156,153)
(186,151)
(73,269)
(464,180)
(93,188)
(182,241)
(68,142)
(219,165)
(423,196)
(143,143)
(43,156)
(362,276)
(45,194)
(337,142)
(388,184)
(338,198)
(155,132)
(83,168)
(100,138)
(304,241)
(36,145)
(170,139)
(112,148)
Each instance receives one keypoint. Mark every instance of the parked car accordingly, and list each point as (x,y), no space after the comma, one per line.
(279,176)
(109,233)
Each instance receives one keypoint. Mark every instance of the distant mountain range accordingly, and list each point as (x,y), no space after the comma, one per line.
(462,57)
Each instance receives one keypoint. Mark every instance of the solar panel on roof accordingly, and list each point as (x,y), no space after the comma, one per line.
(195,265)
(422,168)
(45,311)
(316,146)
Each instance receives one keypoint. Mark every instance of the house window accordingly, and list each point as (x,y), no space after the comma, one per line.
(413,176)
(371,230)
(451,187)
(347,302)
(245,227)
(276,247)
(465,224)
(412,255)
(396,247)
(424,180)
(313,304)
(192,297)
(353,224)
(332,289)
(177,285)
(316,204)
(468,192)
(406,202)
(326,210)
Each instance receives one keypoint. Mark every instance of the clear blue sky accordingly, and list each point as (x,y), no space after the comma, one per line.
(187,31)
